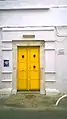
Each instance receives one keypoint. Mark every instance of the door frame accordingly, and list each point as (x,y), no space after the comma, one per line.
(23,43)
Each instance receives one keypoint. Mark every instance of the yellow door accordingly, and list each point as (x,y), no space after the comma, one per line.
(28,68)
(34,68)
(22,69)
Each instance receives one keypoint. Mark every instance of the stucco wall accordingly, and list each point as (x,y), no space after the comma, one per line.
(21,3)
(12,34)
(51,17)
(55,42)
(61,58)
(0,55)
(55,56)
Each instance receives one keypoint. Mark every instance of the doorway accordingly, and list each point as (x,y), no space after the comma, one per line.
(28,68)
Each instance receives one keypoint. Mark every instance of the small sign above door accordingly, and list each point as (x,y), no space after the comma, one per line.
(28,36)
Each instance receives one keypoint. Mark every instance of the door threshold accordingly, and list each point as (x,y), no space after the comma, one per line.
(28,92)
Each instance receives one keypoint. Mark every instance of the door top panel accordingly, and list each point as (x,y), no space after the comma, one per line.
(33,54)
(22,54)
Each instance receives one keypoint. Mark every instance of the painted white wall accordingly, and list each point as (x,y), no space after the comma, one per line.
(61,59)
(51,17)
(48,36)
(6,46)
(21,3)
(18,35)
(55,16)
(50,61)
(0,47)
(55,63)
(50,45)
(6,77)
(49,50)
(0,57)
(61,31)
(50,77)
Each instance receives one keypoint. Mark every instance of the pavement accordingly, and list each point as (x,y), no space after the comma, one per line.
(31,114)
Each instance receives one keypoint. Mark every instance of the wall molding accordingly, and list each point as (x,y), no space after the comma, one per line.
(50,80)
(6,80)
(52,49)
(6,49)
(6,41)
(28,28)
(47,72)
(6,72)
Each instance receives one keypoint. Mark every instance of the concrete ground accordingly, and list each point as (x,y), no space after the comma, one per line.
(32,106)
(29,114)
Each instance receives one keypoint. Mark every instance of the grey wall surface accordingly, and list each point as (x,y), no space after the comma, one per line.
(0,55)
(56,68)
(61,59)
(21,3)
(51,17)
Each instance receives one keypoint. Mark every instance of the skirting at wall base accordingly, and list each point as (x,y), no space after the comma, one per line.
(5,92)
(14,91)
(42,92)
(51,91)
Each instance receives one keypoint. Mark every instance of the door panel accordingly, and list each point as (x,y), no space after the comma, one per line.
(34,75)
(33,54)
(28,68)
(22,66)
(22,75)
(22,54)
(34,84)
(34,67)
(22,84)
(22,69)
